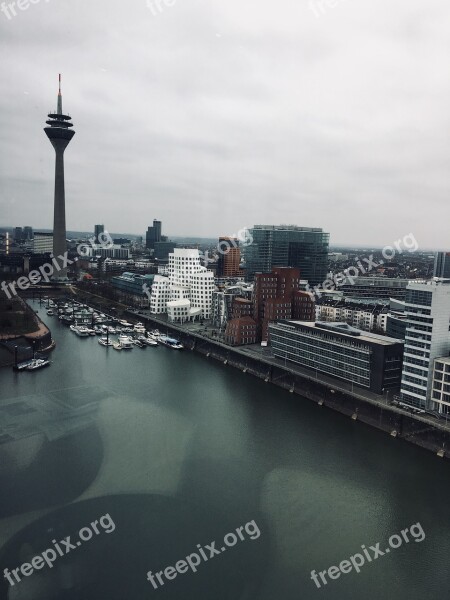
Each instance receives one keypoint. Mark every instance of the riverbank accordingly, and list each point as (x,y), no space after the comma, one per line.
(21,329)
(355,403)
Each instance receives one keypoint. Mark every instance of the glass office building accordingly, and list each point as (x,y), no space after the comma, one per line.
(288,246)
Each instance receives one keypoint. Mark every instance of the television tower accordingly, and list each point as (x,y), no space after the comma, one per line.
(60,134)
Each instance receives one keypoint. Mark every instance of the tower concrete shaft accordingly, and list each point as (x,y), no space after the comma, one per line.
(60,134)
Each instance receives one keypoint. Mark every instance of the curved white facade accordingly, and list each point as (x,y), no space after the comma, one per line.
(160,295)
(187,292)
(202,288)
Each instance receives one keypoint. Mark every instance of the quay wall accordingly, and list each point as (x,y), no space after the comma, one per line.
(388,418)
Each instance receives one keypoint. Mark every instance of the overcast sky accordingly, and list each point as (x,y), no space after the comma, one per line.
(215,115)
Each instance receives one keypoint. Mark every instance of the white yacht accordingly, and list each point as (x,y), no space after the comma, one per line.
(105,342)
(139,328)
(147,340)
(81,331)
(170,342)
(125,342)
(37,363)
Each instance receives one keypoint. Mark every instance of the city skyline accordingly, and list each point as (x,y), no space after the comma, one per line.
(265,114)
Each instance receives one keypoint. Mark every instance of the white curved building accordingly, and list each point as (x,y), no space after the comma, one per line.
(187,292)
(160,295)
(183,263)
(202,288)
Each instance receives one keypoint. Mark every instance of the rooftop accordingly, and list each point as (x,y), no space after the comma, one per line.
(345,330)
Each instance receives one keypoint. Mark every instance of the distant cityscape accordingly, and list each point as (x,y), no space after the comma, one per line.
(378,318)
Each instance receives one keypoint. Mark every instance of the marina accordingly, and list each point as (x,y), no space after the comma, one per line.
(117,334)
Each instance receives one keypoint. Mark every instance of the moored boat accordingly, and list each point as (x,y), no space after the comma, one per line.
(125,342)
(170,342)
(147,340)
(37,363)
(138,343)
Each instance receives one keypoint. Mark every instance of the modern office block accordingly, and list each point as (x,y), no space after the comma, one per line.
(153,235)
(368,360)
(374,287)
(288,246)
(133,283)
(42,242)
(440,396)
(427,337)
(98,231)
(163,249)
(442,265)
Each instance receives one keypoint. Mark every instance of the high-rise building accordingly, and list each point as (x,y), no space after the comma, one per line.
(427,337)
(98,231)
(441,386)
(27,233)
(163,249)
(153,235)
(288,246)
(229,261)
(60,134)
(18,234)
(442,265)
(42,242)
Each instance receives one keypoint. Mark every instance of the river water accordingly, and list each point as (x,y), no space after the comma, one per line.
(179,451)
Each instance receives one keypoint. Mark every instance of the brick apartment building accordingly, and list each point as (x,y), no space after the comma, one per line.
(276,297)
(241,328)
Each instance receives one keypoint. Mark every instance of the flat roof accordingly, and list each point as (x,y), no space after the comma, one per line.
(364,336)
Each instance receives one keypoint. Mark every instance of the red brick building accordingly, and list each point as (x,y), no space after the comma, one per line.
(303,307)
(276,297)
(242,308)
(241,331)
(273,297)
(241,328)
(229,258)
